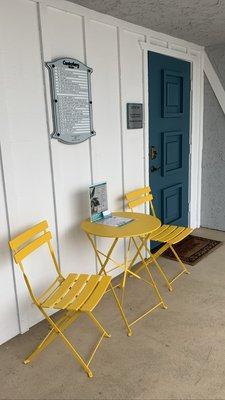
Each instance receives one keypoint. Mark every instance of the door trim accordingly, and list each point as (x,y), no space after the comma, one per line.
(196,59)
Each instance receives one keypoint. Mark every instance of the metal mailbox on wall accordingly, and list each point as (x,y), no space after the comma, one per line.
(70,81)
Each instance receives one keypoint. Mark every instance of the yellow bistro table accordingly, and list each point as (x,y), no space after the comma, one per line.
(139,233)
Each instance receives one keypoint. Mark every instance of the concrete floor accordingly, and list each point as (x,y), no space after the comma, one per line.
(178,353)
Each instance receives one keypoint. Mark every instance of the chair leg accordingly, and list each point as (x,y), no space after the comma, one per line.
(125,273)
(127,253)
(160,252)
(161,271)
(99,326)
(156,290)
(58,330)
(179,260)
(104,333)
(151,260)
(129,331)
(76,355)
(64,323)
(150,275)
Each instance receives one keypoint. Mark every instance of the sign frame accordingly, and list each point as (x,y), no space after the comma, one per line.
(58,117)
(134,115)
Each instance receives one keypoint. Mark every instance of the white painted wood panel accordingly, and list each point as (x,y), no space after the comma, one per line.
(131,61)
(9,321)
(63,36)
(24,140)
(46,179)
(102,56)
(132,92)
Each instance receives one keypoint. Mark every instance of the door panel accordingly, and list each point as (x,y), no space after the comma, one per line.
(171,152)
(172,203)
(169,113)
(172,101)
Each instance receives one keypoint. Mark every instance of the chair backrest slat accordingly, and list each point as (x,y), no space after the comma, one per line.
(29,248)
(140,201)
(140,196)
(27,235)
(138,192)
(28,242)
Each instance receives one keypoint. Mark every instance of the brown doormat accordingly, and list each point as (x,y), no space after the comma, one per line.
(193,249)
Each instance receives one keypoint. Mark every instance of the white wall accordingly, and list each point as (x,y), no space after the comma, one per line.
(45,179)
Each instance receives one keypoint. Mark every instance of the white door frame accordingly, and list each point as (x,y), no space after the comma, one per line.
(195,57)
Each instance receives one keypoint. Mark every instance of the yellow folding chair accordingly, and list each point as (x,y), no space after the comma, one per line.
(167,234)
(75,294)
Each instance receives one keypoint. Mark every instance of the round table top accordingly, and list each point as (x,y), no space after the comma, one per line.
(142,224)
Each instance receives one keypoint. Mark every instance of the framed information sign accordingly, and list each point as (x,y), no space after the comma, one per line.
(70,82)
(134,115)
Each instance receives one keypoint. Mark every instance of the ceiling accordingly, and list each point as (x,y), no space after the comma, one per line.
(198,21)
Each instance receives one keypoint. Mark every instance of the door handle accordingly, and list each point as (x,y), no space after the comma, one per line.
(153,168)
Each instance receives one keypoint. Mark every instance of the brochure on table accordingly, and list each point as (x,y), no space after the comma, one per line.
(99,212)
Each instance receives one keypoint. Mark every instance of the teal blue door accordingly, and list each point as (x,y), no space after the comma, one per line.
(169,120)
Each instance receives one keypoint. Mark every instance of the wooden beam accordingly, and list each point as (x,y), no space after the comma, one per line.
(214,81)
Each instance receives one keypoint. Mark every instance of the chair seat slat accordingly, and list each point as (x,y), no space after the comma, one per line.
(63,288)
(71,294)
(182,235)
(85,294)
(167,232)
(97,294)
(172,235)
(159,231)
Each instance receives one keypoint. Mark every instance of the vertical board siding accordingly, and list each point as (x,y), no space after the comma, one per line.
(102,56)
(132,92)
(45,179)
(8,309)
(63,36)
(25,142)
(101,45)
